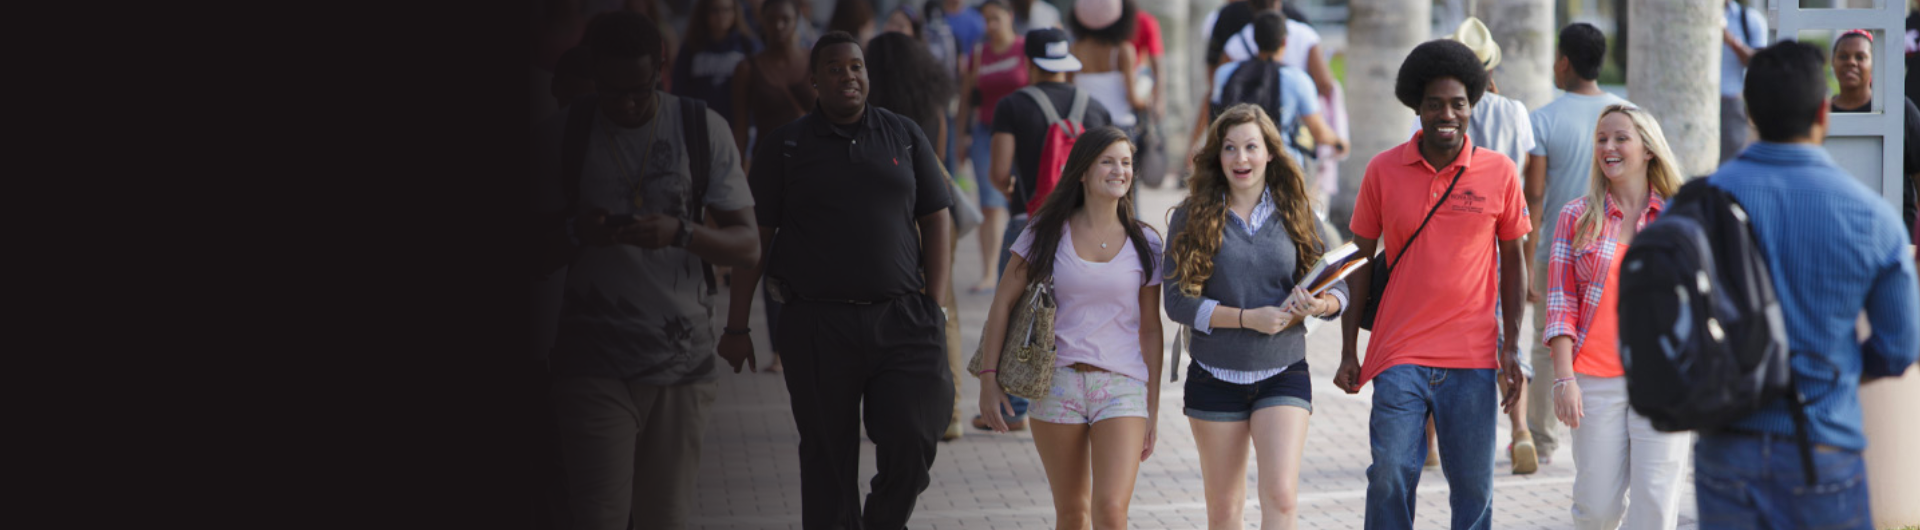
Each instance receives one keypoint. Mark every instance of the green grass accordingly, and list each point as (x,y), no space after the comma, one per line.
(1339,66)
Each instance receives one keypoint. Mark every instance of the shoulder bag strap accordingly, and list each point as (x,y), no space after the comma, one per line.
(1423,222)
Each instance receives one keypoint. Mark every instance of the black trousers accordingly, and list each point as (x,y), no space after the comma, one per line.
(889,357)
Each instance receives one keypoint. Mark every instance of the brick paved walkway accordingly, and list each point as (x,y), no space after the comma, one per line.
(750,471)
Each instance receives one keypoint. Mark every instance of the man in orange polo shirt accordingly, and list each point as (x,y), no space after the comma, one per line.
(1436,345)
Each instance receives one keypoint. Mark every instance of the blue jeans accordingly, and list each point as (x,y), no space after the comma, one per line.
(1014,227)
(982,154)
(1743,481)
(1464,405)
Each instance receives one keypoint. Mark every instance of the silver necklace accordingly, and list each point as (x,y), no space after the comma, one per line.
(1089,221)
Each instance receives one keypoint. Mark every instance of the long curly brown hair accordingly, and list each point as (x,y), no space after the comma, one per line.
(1192,248)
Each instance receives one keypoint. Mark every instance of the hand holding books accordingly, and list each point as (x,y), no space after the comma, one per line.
(1332,267)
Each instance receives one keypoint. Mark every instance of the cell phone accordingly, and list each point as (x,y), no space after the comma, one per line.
(617,221)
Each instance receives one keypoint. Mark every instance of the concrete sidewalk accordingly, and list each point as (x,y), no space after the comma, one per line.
(750,470)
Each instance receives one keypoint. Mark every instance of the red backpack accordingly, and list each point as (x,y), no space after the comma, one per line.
(1057,143)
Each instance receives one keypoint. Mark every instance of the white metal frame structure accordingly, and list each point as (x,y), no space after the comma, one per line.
(1869,145)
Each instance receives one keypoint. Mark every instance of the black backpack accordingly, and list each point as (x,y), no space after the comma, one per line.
(1259,83)
(1702,336)
(573,157)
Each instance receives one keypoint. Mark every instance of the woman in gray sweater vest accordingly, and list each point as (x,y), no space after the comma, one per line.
(1095,426)
(1239,242)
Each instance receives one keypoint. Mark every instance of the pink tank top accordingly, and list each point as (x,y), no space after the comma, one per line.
(999,75)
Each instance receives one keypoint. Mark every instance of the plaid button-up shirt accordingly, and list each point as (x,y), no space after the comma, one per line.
(1576,278)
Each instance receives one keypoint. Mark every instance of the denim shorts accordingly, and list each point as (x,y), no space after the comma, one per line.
(1210,399)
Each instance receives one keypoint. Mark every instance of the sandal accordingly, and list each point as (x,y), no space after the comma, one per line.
(1525,459)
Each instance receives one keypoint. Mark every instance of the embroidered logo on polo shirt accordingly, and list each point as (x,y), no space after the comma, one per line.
(1469,201)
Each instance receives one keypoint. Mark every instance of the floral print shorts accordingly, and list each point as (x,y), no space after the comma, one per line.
(1090,396)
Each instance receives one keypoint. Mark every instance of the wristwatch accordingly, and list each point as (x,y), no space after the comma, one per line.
(685,237)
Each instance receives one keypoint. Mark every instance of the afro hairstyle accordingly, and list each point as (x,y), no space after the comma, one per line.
(1436,59)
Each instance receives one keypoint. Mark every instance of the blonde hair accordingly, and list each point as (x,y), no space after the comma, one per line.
(1663,171)
(1190,251)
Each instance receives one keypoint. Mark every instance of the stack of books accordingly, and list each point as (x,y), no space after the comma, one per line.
(1333,266)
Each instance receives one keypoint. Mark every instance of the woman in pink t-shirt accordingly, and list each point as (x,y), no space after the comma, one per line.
(1104,267)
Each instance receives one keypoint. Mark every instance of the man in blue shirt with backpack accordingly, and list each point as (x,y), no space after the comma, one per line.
(1834,249)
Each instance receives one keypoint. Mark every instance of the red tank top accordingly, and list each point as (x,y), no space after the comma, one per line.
(1000,74)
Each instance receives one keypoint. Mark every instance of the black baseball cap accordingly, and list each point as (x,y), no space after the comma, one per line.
(1050,50)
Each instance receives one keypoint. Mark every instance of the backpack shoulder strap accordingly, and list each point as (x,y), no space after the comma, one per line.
(573,147)
(1079,110)
(1078,113)
(1279,93)
(1746,33)
(1046,105)
(693,129)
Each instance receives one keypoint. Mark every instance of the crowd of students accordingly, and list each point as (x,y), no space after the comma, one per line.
(818,167)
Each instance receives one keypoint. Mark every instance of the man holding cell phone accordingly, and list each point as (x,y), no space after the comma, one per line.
(634,356)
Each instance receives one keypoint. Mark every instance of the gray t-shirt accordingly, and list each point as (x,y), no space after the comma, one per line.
(631,313)
(1499,123)
(1563,132)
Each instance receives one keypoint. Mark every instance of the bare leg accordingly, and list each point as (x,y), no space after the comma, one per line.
(993,223)
(1117,443)
(1279,438)
(1223,467)
(1065,455)
(1525,455)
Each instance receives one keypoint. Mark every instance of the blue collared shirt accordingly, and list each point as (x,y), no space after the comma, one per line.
(1835,249)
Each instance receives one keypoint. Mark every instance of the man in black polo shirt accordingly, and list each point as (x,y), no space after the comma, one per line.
(1020,133)
(857,197)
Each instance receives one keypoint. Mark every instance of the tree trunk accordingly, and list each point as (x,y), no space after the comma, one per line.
(1193,66)
(1674,73)
(1176,35)
(1379,35)
(1524,29)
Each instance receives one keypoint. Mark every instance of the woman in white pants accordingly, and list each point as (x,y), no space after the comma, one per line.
(1622,466)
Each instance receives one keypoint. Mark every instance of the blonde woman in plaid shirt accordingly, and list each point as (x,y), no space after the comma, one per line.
(1622,466)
